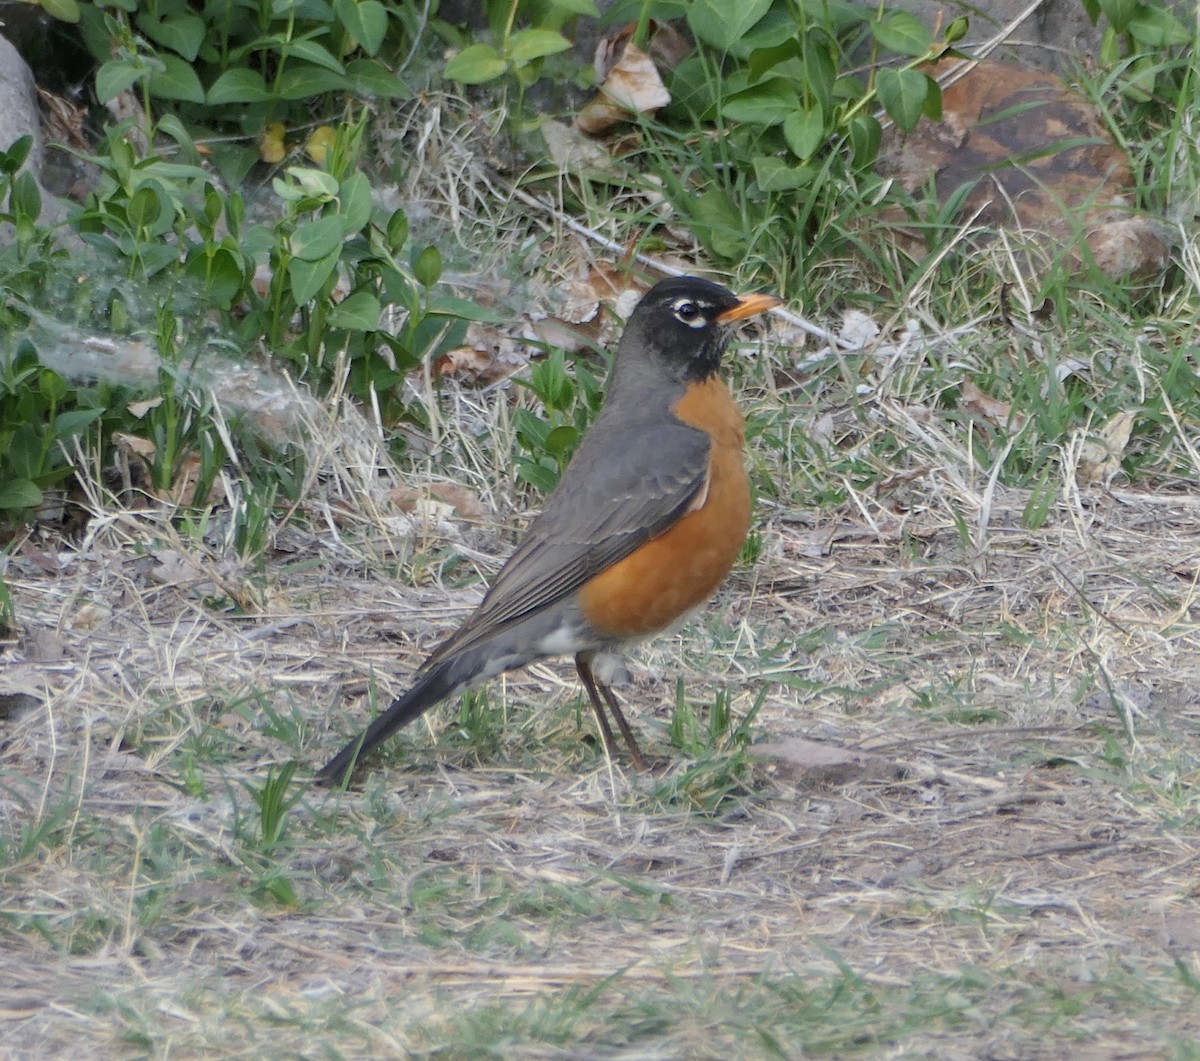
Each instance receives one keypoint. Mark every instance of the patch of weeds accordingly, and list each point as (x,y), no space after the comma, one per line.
(291,729)
(241,68)
(261,837)
(770,131)
(479,723)
(719,768)
(521,54)
(951,699)
(36,423)
(569,403)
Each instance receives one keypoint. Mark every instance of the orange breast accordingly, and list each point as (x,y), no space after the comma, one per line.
(682,567)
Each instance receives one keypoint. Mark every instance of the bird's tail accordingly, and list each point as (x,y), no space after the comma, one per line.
(435,684)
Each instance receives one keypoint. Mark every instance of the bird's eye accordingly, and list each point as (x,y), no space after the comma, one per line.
(689,313)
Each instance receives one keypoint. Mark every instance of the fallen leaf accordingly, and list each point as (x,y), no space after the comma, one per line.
(486,357)
(271,148)
(318,145)
(464,502)
(133,445)
(632,86)
(140,409)
(1100,455)
(995,412)
(858,329)
(571,150)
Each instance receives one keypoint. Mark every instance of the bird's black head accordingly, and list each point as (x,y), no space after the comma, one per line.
(684,324)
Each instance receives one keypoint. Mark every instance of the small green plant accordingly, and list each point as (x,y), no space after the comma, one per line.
(480,722)
(786,124)
(569,405)
(8,609)
(273,803)
(1135,38)
(520,53)
(240,66)
(34,427)
(695,737)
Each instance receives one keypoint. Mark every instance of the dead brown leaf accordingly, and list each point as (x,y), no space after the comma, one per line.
(464,502)
(994,411)
(631,86)
(1100,455)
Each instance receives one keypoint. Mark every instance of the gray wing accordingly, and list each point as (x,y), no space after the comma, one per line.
(624,486)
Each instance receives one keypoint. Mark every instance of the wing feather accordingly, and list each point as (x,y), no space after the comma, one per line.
(621,490)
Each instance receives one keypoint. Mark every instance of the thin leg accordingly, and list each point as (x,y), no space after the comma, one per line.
(583,665)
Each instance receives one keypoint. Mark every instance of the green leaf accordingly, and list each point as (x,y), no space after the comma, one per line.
(865,136)
(25,197)
(722,24)
(397,230)
(763,59)
(114,77)
(19,493)
(1156,27)
(578,7)
(70,423)
(144,207)
(767,103)
(475,65)
(307,278)
(312,52)
(463,309)
(313,240)
(719,223)
(902,95)
(902,33)
(933,100)
(537,475)
(238,85)
(561,441)
(182,33)
(219,270)
(155,257)
(176,81)
(1119,12)
(775,175)
(369,77)
(63,10)
(804,131)
(529,44)
(304,81)
(359,311)
(1110,47)
(428,267)
(14,158)
(364,20)
(354,202)
(315,183)
(958,29)
(51,385)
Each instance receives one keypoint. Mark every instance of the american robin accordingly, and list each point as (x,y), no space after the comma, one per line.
(644,525)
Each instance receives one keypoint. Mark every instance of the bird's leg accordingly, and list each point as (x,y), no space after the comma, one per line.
(583,664)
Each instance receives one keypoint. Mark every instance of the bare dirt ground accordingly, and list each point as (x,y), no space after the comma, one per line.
(1011,873)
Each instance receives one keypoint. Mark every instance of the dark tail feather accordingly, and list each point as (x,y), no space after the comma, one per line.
(431,687)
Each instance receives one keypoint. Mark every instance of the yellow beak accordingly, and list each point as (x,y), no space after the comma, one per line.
(749,306)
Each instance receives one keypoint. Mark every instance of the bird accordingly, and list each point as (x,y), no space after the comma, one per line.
(643,526)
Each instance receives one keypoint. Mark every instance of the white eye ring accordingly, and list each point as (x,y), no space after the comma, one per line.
(688,312)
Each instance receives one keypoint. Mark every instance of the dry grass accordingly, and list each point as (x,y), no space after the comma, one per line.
(1028,883)
(1023,886)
